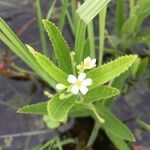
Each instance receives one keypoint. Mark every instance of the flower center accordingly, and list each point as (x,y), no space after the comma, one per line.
(87,64)
(79,83)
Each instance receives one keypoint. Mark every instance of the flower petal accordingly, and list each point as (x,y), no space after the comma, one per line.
(81,76)
(60,86)
(72,79)
(93,63)
(87,82)
(75,89)
(87,60)
(83,90)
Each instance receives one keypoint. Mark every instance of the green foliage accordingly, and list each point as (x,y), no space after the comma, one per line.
(119,143)
(114,125)
(63,14)
(142,66)
(84,15)
(58,109)
(109,71)
(60,46)
(89,9)
(142,10)
(34,109)
(129,26)
(50,122)
(51,68)
(100,93)
(79,110)
(14,43)
(143,125)
(86,51)
(119,18)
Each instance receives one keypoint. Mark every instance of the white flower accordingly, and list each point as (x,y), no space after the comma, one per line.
(80,83)
(60,86)
(89,63)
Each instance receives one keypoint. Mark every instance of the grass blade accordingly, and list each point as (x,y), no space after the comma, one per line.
(63,14)
(41,28)
(102,21)
(13,42)
(119,16)
(91,38)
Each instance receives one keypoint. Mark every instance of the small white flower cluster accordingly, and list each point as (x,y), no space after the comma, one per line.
(80,83)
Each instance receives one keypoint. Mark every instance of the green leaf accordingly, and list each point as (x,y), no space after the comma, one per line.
(113,124)
(79,110)
(119,143)
(84,15)
(87,50)
(37,109)
(60,46)
(143,125)
(58,109)
(89,9)
(99,93)
(109,71)
(51,68)
(129,26)
(16,45)
(119,16)
(80,40)
(63,14)
(50,122)
(91,39)
(142,10)
(142,66)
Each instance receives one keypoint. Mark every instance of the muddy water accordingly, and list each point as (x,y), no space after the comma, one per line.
(16,93)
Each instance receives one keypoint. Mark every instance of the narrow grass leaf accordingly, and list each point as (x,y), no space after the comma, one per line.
(63,14)
(13,42)
(87,50)
(41,28)
(80,40)
(143,125)
(91,38)
(120,4)
(129,26)
(89,9)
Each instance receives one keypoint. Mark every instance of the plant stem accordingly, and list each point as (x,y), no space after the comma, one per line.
(58,143)
(74,7)
(71,23)
(80,39)
(32,133)
(102,21)
(94,134)
(131,8)
(50,10)
(63,14)
(41,28)
(119,16)
(90,29)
